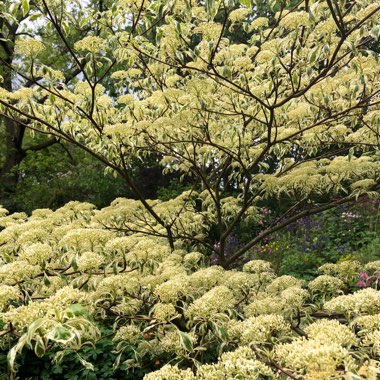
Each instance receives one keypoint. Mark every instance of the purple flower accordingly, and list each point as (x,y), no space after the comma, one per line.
(361,284)
(363,276)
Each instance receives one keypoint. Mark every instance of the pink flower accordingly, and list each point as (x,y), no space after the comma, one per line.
(361,284)
(216,246)
(363,275)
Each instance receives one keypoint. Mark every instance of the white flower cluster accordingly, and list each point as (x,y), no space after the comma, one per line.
(36,253)
(30,47)
(206,278)
(287,301)
(116,286)
(173,289)
(76,272)
(372,339)
(217,300)
(283,282)
(90,260)
(313,358)
(68,295)
(326,284)
(128,307)
(52,308)
(193,258)
(18,271)
(373,266)
(345,270)
(369,331)
(259,23)
(368,322)
(92,44)
(263,305)
(239,364)
(3,211)
(295,20)
(85,239)
(326,331)
(239,15)
(22,316)
(365,301)
(257,266)
(258,330)
(169,372)
(165,312)
(128,334)
(242,283)
(7,293)
(170,342)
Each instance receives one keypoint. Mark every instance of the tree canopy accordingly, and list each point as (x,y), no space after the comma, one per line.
(248,107)
(250,103)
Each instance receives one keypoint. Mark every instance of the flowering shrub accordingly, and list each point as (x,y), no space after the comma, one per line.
(80,276)
(245,109)
(370,277)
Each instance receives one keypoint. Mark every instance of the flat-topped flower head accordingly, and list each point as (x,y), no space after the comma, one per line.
(92,44)
(257,266)
(29,47)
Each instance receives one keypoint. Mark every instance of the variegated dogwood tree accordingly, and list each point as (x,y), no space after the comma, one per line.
(248,104)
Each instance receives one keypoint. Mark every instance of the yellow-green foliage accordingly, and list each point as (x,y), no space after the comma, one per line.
(288,109)
(78,275)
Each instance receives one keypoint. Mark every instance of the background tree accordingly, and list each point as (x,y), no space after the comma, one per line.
(26,158)
(290,112)
(16,21)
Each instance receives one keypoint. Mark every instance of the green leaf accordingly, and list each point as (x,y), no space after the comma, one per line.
(245,3)
(60,334)
(209,5)
(77,309)
(351,46)
(212,8)
(39,347)
(178,27)
(16,350)
(220,332)
(375,32)
(226,72)
(65,27)
(351,153)
(35,17)
(313,55)
(46,280)
(85,363)
(202,104)
(58,357)
(295,79)
(25,7)
(74,263)
(185,342)
(180,57)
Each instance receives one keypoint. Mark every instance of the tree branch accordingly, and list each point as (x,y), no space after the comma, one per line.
(42,145)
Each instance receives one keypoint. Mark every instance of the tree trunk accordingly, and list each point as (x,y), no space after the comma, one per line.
(14,153)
